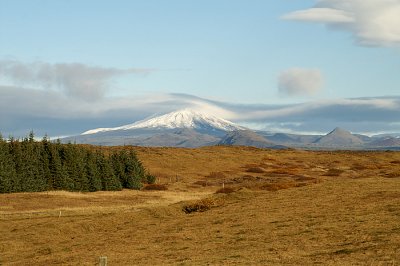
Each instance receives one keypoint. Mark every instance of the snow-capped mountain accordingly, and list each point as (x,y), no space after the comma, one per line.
(186,118)
(183,128)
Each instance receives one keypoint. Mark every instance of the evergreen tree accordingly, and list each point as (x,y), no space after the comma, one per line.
(92,172)
(15,154)
(59,176)
(7,168)
(29,169)
(128,169)
(108,179)
(29,165)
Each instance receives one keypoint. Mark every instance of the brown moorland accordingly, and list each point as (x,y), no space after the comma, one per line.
(273,207)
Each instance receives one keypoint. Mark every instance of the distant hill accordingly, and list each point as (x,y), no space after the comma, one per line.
(246,138)
(184,137)
(339,137)
(385,142)
(287,139)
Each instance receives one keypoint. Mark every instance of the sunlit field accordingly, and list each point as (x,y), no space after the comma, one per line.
(272,207)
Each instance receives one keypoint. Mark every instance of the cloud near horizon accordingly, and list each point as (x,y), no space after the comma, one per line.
(51,112)
(371,22)
(74,79)
(300,81)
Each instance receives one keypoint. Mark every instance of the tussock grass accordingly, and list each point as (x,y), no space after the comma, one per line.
(200,205)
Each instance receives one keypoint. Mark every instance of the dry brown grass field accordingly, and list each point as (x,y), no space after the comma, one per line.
(280,207)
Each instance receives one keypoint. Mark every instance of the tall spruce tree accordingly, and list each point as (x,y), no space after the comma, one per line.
(16,156)
(58,174)
(108,179)
(92,172)
(7,168)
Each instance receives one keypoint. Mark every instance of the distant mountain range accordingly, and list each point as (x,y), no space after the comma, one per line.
(190,128)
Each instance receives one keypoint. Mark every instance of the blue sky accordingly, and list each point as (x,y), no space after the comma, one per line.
(231,54)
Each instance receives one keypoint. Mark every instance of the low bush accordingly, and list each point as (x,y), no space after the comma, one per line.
(358,166)
(304,178)
(199,206)
(393,175)
(247,178)
(203,183)
(155,187)
(257,170)
(150,179)
(216,175)
(334,172)
(225,190)
(278,186)
(284,171)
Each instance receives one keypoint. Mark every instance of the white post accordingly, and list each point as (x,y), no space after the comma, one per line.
(103,261)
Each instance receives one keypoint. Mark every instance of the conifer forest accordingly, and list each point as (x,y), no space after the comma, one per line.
(27,165)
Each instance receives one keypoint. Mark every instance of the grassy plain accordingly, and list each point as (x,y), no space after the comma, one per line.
(288,207)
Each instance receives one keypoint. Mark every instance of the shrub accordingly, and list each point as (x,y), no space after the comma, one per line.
(358,166)
(278,186)
(225,190)
(393,175)
(216,175)
(155,187)
(150,179)
(334,172)
(247,178)
(257,170)
(304,178)
(203,183)
(199,206)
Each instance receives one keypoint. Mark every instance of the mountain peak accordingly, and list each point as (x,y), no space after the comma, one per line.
(339,137)
(339,130)
(184,118)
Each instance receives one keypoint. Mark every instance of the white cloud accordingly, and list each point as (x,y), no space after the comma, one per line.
(74,79)
(372,22)
(362,109)
(300,81)
(22,110)
(326,15)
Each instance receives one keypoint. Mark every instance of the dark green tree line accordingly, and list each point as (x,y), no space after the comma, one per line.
(27,165)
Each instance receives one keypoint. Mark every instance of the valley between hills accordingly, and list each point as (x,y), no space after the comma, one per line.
(219,205)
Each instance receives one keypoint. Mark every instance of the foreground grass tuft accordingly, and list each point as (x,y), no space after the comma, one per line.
(200,205)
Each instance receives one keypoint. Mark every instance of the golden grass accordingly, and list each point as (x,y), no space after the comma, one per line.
(300,216)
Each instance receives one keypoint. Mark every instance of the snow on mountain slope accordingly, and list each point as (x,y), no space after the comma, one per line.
(186,118)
